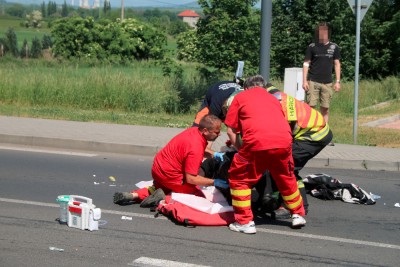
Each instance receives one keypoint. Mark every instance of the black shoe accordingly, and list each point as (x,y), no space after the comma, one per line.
(122,197)
(269,203)
(282,213)
(153,199)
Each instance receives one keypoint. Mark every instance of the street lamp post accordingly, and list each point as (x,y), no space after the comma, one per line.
(122,10)
(265,40)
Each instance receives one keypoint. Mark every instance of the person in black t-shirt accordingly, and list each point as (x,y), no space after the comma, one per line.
(321,57)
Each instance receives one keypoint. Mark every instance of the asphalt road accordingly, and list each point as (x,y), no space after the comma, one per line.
(337,233)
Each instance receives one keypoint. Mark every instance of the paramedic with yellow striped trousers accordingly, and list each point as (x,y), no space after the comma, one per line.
(310,132)
(266,144)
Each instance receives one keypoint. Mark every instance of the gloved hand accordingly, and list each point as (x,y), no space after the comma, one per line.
(219,155)
(221,183)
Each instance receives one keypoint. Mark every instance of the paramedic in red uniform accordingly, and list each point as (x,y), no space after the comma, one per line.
(176,166)
(266,145)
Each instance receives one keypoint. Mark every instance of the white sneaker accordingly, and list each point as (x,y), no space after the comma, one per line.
(248,228)
(298,221)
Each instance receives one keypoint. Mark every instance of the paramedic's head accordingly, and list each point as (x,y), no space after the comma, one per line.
(254,81)
(210,127)
(322,33)
(228,102)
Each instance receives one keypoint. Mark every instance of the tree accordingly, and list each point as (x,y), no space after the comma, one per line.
(106,7)
(36,50)
(51,8)
(11,43)
(43,9)
(177,27)
(16,10)
(64,9)
(24,53)
(293,28)
(34,19)
(46,42)
(380,39)
(118,41)
(187,44)
(229,32)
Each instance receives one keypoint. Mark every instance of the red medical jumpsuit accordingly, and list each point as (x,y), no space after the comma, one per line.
(183,154)
(267,145)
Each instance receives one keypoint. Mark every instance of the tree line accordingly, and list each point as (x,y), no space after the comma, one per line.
(9,45)
(230,31)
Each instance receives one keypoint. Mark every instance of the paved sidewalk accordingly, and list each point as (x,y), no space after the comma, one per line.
(145,140)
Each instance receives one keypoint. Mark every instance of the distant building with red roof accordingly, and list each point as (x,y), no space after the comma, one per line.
(190,17)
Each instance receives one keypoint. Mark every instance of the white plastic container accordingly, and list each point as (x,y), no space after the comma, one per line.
(63,201)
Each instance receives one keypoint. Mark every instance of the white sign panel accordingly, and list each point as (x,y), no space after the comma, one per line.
(364,4)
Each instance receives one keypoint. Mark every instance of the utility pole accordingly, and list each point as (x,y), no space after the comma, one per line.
(360,8)
(122,10)
(99,9)
(2,7)
(265,40)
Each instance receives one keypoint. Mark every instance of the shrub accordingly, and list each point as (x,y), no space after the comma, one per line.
(116,41)
(36,50)
(24,53)
(11,43)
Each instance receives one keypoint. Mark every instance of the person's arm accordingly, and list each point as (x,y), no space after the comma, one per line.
(337,75)
(198,180)
(233,136)
(306,66)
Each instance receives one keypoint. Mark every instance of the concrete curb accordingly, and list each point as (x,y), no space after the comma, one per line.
(143,150)
(148,150)
(354,164)
(382,121)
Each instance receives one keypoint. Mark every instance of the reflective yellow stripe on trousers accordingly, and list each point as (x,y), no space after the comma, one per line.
(241,193)
(291,197)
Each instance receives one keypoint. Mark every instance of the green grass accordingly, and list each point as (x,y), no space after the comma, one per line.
(140,94)
(140,87)
(21,31)
(117,117)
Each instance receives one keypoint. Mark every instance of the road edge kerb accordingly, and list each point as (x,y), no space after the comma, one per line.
(354,164)
(148,150)
(382,121)
(143,150)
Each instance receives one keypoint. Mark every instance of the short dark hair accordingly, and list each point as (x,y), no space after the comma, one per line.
(253,81)
(209,122)
(322,24)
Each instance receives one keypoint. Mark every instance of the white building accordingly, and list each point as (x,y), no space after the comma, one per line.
(190,17)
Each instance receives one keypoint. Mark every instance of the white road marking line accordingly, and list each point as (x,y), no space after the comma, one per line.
(162,263)
(48,151)
(43,204)
(329,238)
(263,230)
